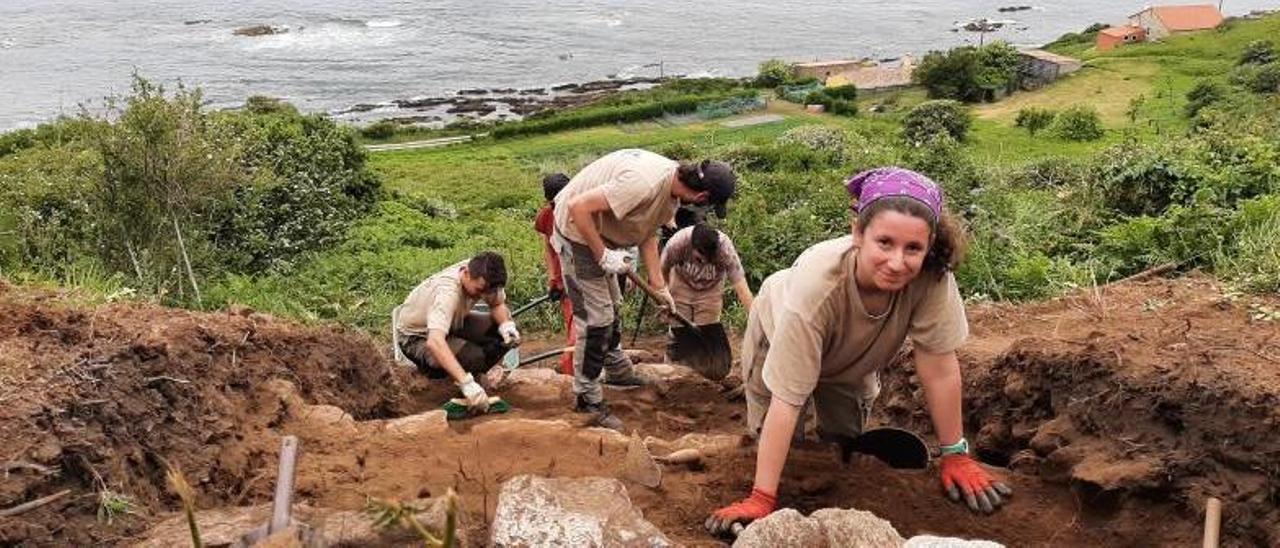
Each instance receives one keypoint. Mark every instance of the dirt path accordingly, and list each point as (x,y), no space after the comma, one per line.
(1118,412)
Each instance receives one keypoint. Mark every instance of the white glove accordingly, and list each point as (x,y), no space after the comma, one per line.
(510,335)
(615,262)
(477,399)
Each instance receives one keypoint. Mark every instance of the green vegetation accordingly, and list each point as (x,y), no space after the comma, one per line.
(1078,123)
(931,119)
(1034,119)
(283,212)
(969,74)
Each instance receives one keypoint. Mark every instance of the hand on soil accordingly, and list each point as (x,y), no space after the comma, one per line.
(477,399)
(962,476)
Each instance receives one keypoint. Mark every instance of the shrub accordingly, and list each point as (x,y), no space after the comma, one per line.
(1258,52)
(382,129)
(847,92)
(832,104)
(933,118)
(262,104)
(1266,79)
(814,137)
(1078,123)
(1204,93)
(1034,119)
(773,73)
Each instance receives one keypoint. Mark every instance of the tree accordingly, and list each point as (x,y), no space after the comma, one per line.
(967,73)
(930,119)
(1034,119)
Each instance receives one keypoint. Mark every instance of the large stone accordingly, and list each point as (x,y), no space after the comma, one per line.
(535,511)
(431,423)
(930,541)
(329,417)
(783,529)
(856,528)
(639,465)
(535,387)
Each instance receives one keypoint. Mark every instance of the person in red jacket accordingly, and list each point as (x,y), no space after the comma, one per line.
(820,331)
(545,225)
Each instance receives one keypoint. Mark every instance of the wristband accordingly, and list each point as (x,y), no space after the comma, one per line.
(958,448)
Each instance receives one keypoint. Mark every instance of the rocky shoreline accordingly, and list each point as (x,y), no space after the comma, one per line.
(491,104)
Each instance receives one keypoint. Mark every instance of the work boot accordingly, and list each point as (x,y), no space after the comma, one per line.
(602,417)
(628,379)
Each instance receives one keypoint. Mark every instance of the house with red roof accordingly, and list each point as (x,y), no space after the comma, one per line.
(1113,37)
(1162,21)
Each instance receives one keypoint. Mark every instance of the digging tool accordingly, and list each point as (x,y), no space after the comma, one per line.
(900,449)
(704,348)
(1212,522)
(282,504)
(542,356)
(644,304)
(456,408)
(511,359)
(530,304)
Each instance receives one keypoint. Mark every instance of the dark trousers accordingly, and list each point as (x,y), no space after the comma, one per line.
(477,346)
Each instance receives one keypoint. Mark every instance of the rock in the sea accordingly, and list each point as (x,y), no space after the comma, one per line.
(856,528)
(260,30)
(785,528)
(930,541)
(536,511)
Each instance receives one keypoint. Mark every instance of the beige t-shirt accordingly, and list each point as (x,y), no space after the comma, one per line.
(440,303)
(818,330)
(637,185)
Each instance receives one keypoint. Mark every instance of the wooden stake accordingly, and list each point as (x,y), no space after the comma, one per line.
(1212,522)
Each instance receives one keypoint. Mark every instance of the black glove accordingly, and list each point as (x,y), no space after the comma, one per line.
(555,294)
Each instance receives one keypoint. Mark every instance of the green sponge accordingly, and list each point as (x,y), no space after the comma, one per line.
(456,408)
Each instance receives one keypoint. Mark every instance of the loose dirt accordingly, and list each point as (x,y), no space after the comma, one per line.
(1116,412)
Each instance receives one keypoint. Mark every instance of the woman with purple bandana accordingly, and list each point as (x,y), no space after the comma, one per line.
(820,331)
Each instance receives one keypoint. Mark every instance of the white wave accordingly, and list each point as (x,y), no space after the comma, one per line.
(613,22)
(383,23)
(8,43)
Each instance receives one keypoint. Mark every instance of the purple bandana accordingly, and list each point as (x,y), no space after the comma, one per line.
(884,182)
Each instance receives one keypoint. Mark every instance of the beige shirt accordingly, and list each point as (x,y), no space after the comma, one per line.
(818,330)
(637,185)
(439,303)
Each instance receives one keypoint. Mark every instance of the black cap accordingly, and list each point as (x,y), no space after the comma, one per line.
(718,179)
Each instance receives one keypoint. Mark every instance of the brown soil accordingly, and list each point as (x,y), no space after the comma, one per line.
(1119,412)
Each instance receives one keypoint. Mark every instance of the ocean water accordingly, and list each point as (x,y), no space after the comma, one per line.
(58,54)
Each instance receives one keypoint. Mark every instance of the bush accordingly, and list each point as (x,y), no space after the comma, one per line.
(818,138)
(609,114)
(1034,119)
(773,73)
(1264,79)
(1078,123)
(831,103)
(847,92)
(382,129)
(933,118)
(1204,93)
(1258,52)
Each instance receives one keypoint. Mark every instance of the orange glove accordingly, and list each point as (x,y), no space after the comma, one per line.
(962,474)
(754,507)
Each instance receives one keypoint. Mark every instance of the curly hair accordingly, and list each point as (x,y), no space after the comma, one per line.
(947,234)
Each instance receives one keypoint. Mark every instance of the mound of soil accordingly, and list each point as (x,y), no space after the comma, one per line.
(1161,392)
(1118,412)
(103,397)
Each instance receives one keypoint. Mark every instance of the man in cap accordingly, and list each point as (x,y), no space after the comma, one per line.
(616,202)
